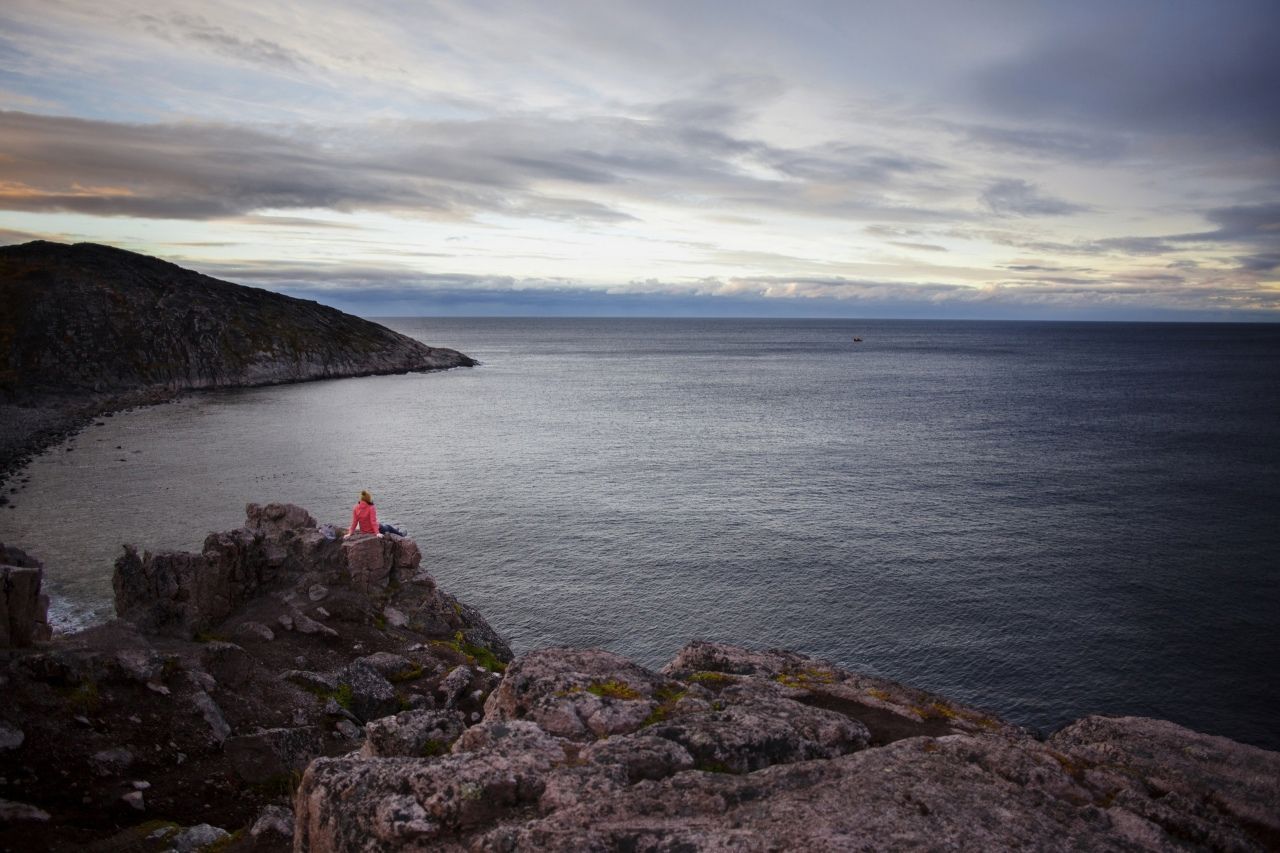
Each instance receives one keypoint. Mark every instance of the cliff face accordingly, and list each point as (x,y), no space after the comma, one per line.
(89,319)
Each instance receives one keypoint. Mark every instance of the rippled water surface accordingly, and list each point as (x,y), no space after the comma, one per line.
(1041,519)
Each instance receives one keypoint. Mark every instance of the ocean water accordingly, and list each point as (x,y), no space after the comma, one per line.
(1041,519)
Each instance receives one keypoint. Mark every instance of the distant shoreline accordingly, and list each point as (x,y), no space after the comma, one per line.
(30,428)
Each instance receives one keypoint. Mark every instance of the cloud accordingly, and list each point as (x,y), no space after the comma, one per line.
(1195,69)
(519,165)
(196,29)
(1053,145)
(1012,197)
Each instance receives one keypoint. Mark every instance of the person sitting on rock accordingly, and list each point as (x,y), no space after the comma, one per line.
(364,518)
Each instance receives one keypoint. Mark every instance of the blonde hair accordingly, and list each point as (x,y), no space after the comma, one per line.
(366,497)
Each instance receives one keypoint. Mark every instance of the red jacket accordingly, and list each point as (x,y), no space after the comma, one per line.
(364,519)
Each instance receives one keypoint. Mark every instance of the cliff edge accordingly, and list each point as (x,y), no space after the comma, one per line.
(284,689)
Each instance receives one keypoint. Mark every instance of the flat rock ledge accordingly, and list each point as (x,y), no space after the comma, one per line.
(732,749)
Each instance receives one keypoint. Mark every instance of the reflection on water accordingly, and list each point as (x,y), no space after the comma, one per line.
(1042,519)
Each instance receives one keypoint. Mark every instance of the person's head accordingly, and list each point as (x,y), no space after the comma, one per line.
(366,497)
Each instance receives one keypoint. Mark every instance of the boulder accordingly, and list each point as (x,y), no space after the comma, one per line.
(209,711)
(273,754)
(761,732)
(274,821)
(13,812)
(371,695)
(11,737)
(579,694)
(228,663)
(198,837)
(388,665)
(111,762)
(413,734)
(407,803)
(641,756)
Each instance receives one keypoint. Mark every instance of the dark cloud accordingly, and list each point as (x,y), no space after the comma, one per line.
(1267,262)
(1012,197)
(195,171)
(1255,223)
(1256,227)
(1190,68)
(1053,145)
(446,169)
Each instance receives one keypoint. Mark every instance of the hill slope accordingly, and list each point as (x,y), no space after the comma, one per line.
(87,328)
(93,319)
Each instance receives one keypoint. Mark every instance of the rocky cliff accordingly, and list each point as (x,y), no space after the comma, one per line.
(83,325)
(282,690)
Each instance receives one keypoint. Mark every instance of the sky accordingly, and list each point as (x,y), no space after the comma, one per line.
(1114,160)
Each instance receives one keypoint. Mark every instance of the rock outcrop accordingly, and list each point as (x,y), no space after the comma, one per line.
(86,328)
(24,609)
(231,670)
(260,696)
(733,749)
(181,594)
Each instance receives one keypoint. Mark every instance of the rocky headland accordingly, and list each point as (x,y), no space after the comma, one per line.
(283,690)
(86,329)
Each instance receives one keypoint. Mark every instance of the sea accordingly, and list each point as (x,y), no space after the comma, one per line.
(1044,520)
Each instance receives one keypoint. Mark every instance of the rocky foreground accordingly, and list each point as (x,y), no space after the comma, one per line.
(282,690)
(87,328)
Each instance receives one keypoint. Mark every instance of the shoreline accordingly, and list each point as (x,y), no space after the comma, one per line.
(60,417)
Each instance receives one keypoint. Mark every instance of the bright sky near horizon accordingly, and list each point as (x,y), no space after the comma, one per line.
(1061,160)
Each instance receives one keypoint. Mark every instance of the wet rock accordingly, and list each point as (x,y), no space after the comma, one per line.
(274,753)
(134,800)
(413,734)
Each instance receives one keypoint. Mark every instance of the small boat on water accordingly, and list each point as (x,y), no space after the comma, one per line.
(857,340)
